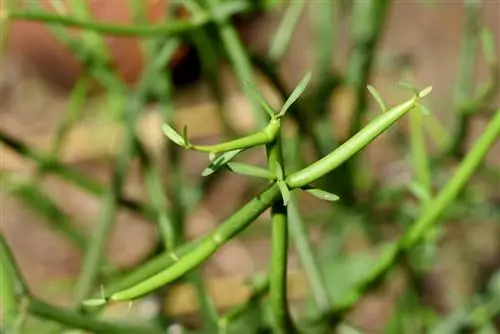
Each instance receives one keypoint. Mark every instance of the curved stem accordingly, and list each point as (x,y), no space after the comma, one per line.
(210,244)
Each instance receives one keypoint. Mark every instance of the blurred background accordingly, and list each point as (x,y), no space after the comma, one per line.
(421,41)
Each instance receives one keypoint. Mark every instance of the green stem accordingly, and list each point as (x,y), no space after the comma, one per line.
(101,234)
(173,28)
(72,176)
(465,80)
(12,287)
(36,199)
(420,159)
(299,233)
(349,148)
(239,59)
(260,138)
(279,250)
(367,22)
(74,320)
(285,30)
(426,220)
(207,246)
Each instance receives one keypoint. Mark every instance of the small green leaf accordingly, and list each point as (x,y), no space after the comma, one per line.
(185,135)
(423,109)
(424,92)
(419,191)
(220,161)
(377,97)
(94,302)
(264,104)
(285,192)
(321,194)
(278,170)
(488,44)
(297,92)
(172,135)
(245,169)
(409,87)
(212,156)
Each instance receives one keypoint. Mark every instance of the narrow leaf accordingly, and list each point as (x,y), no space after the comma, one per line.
(488,44)
(377,97)
(245,169)
(264,104)
(321,194)
(419,191)
(185,135)
(220,161)
(297,92)
(172,134)
(423,109)
(409,87)
(285,192)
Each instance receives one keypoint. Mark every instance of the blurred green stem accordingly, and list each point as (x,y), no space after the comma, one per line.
(172,28)
(239,59)
(466,79)
(427,219)
(299,233)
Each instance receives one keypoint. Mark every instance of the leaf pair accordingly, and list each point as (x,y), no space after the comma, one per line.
(297,92)
(420,94)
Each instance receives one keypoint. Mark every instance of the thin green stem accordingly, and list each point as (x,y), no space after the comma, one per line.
(70,175)
(36,199)
(420,160)
(465,80)
(239,59)
(74,320)
(367,22)
(285,30)
(12,287)
(172,28)
(299,233)
(427,219)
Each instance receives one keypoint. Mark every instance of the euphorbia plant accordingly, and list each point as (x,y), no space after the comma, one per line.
(275,196)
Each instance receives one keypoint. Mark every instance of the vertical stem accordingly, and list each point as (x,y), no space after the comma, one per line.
(239,59)
(298,231)
(465,80)
(279,250)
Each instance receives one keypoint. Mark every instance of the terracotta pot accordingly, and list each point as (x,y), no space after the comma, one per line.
(33,44)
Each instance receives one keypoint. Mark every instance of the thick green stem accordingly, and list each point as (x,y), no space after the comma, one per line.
(210,244)
(279,249)
(351,147)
